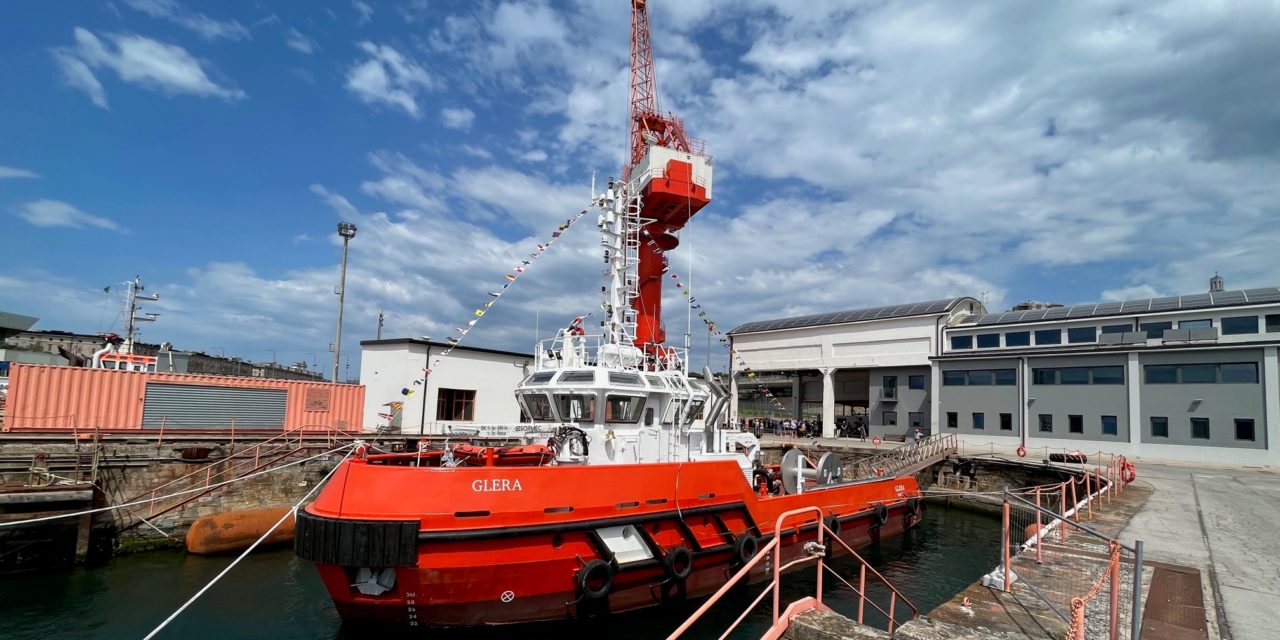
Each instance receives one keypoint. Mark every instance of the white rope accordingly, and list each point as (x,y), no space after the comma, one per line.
(174,494)
(253,546)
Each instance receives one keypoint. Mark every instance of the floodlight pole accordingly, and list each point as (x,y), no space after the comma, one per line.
(347,231)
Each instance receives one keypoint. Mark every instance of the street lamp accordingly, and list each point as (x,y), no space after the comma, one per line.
(347,231)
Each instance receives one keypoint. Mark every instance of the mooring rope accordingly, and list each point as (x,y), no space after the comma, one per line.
(176,493)
(286,516)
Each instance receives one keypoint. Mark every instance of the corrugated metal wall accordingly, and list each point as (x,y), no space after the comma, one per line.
(63,398)
(190,406)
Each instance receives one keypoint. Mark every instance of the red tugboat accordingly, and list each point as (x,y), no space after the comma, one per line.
(617,500)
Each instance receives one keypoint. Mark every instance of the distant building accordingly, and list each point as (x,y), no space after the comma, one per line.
(1032,305)
(472,386)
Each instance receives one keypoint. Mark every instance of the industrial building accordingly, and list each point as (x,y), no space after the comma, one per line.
(1192,377)
(472,387)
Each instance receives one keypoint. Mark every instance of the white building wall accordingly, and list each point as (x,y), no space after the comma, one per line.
(896,342)
(387,369)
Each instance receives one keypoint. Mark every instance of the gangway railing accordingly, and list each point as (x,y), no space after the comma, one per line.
(814,551)
(906,458)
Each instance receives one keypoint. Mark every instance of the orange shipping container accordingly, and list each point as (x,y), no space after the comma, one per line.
(65,398)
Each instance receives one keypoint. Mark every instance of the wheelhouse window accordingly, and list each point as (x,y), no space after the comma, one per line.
(541,377)
(623,408)
(625,379)
(577,377)
(456,404)
(1017,339)
(577,407)
(672,414)
(538,407)
(694,412)
(1049,336)
(961,342)
(988,340)
(1239,325)
(1082,334)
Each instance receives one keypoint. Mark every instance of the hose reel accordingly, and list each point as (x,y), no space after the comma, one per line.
(794,470)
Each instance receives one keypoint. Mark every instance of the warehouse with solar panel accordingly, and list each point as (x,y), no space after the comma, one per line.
(1189,377)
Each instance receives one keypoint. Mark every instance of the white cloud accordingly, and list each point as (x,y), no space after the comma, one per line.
(388,77)
(536,155)
(55,213)
(208,28)
(137,60)
(365,11)
(300,42)
(13,172)
(457,118)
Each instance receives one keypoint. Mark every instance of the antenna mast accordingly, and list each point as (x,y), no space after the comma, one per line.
(132,305)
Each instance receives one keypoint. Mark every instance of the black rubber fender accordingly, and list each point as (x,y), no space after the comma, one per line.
(880,515)
(833,524)
(913,506)
(745,547)
(678,561)
(595,579)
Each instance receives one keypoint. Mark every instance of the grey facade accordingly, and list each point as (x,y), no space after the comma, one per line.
(893,405)
(1220,403)
(1080,400)
(960,405)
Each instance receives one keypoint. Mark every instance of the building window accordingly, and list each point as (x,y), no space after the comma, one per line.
(988,340)
(953,378)
(1117,328)
(1239,325)
(1075,424)
(1044,376)
(1273,322)
(979,420)
(916,419)
(915,382)
(1006,377)
(961,342)
(1046,422)
(456,404)
(980,377)
(890,418)
(1082,334)
(1006,422)
(1239,372)
(1161,373)
(889,387)
(1199,373)
(1109,426)
(1159,427)
(1108,375)
(1156,330)
(1244,429)
(1073,375)
(1018,338)
(1195,324)
(1200,428)
(953,420)
(1049,336)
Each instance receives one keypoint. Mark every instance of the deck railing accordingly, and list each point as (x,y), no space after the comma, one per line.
(906,457)
(813,552)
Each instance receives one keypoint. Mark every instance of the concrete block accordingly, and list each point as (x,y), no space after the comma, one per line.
(828,625)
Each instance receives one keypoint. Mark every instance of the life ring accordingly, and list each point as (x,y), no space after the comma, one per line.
(1128,472)
(833,525)
(745,547)
(678,562)
(881,514)
(876,441)
(595,579)
(1022,451)
(913,506)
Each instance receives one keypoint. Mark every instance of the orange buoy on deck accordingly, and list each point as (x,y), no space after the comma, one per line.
(236,530)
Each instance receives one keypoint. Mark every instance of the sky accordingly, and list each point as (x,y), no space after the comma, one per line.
(866,153)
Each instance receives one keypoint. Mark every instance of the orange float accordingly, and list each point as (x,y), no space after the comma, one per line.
(236,530)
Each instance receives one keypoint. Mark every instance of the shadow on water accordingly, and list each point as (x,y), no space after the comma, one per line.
(275,596)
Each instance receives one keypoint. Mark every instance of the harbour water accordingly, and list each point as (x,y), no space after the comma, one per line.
(273,595)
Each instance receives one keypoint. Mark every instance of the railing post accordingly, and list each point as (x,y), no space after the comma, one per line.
(1039,531)
(1062,514)
(893,600)
(1005,543)
(1075,511)
(1088,494)
(1115,591)
(1135,612)
(862,591)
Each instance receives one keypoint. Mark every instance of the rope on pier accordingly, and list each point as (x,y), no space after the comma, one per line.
(246,552)
(215,485)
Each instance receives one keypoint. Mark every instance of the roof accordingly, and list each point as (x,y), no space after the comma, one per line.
(15,323)
(855,315)
(1216,299)
(432,343)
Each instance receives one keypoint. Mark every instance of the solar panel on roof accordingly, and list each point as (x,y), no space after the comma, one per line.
(1134,306)
(937,306)
(1197,300)
(1056,312)
(1270,294)
(1081,310)
(1108,307)
(1228,297)
(990,318)
(1034,314)
(1164,304)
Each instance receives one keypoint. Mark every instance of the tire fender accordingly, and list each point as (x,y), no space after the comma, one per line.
(595,579)
(678,562)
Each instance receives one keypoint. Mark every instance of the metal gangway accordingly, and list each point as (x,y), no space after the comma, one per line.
(908,459)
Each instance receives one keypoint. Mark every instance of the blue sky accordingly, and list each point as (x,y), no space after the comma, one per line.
(866,153)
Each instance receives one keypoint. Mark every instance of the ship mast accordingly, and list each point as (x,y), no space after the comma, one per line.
(132,305)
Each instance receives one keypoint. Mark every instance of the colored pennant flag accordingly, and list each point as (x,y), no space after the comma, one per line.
(494,294)
(554,234)
(452,341)
(479,313)
(510,278)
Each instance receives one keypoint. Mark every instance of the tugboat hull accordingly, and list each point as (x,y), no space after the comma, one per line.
(419,547)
